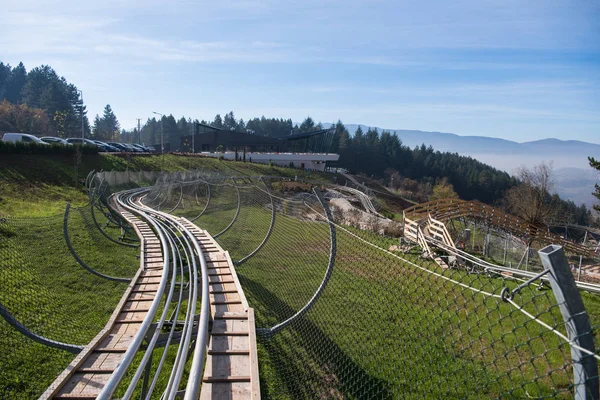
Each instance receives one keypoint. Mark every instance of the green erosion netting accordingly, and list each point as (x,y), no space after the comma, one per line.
(379,324)
(48,292)
(386,325)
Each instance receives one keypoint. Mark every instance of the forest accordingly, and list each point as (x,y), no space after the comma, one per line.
(43,103)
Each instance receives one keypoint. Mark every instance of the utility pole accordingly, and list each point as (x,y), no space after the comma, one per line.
(82,132)
(139,132)
(162,146)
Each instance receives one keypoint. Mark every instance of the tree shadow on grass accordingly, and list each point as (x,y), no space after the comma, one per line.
(303,361)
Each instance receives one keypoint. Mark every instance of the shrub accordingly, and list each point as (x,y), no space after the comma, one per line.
(35,148)
(393,229)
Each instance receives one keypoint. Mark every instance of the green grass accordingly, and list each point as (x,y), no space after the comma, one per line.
(384,328)
(46,290)
(38,185)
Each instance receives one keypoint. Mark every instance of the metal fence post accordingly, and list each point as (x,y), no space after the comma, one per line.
(577,323)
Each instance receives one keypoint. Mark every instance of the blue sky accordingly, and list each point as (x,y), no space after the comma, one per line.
(520,70)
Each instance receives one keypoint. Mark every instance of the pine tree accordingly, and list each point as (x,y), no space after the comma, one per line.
(112,124)
(218,122)
(107,127)
(97,128)
(229,122)
(307,125)
(359,136)
(16,83)
(341,137)
(241,125)
(372,138)
(5,75)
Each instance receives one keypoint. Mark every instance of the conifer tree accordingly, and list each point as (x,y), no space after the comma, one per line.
(218,121)
(16,83)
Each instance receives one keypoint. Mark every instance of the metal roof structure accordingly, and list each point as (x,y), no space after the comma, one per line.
(209,138)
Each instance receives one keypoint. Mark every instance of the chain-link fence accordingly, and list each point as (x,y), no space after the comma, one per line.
(54,288)
(505,249)
(338,314)
(375,323)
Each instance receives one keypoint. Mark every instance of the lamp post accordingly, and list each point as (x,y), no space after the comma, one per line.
(82,132)
(162,146)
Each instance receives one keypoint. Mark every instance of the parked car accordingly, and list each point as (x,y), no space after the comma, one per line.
(57,140)
(119,146)
(146,148)
(105,146)
(133,148)
(139,147)
(21,137)
(81,141)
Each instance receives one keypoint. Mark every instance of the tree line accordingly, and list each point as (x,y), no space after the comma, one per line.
(42,102)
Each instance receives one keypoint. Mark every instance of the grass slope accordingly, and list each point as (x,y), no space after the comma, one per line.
(40,184)
(384,328)
(46,290)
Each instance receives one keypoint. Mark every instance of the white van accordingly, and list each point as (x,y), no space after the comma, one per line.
(21,137)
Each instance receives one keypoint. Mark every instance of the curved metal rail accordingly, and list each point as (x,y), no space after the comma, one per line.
(268,332)
(178,201)
(106,235)
(95,202)
(420,232)
(76,256)
(237,211)
(207,202)
(169,229)
(72,348)
(273,212)
(138,321)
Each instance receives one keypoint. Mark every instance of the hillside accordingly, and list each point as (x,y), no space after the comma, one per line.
(41,184)
(574,178)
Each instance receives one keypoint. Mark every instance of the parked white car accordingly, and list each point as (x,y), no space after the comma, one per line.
(21,137)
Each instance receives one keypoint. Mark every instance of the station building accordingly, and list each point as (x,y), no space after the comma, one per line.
(304,150)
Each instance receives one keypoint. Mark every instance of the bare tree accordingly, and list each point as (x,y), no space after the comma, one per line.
(531,200)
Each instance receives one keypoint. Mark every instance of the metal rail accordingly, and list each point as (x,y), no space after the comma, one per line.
(273,212)
(237,211)
(180,248)
(180,198)
(207,202)
(76,256)
(72,348)
(498,268)
(268,332)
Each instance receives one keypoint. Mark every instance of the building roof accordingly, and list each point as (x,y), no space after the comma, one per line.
(304,135)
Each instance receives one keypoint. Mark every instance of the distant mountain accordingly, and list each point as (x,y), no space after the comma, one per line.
(573,177)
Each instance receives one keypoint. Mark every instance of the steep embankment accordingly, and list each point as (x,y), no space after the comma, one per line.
(40,184)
